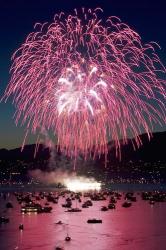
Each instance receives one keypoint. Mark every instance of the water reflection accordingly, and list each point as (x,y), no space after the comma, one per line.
(141,226)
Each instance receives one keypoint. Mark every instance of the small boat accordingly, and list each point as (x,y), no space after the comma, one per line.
(84,205)
(111,206)
(133,198)
(68,238)
(127,204)
(74,210)
(68,199)
(94,220)
(9,205)
(59,222)
(104,208)
(89,203)
(113,200)
(47,204)
(45,210)
(130,196)
(4,220)
(21,227)
(67,205)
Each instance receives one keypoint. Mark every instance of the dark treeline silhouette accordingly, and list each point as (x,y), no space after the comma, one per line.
(150,151)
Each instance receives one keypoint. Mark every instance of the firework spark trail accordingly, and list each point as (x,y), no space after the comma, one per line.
(87,81)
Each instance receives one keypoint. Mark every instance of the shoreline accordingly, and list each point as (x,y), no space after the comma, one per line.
(112,186)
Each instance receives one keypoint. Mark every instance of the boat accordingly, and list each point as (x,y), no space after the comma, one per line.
(130,196)
(59,222)
(21,227)
(74,210)
(68,199)
(9,205)
(88,203)
(118,196)
(35,208)
(84,205)
(68,238)
(104,208)
(68,204)
(29,208)
(98,198)
(113,200)
(127,204)
(133,198)
(4,220)
(94,220)
(111,206)
(52,199)
(44,210)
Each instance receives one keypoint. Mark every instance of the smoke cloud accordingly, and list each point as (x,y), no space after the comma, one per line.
(59,176)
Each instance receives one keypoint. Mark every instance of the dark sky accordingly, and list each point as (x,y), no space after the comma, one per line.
(17,18)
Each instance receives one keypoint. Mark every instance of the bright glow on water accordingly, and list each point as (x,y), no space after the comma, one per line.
(79,185)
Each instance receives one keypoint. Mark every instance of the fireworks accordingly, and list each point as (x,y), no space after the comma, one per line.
(87,80)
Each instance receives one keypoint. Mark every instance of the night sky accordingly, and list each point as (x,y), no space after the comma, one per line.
(18,17)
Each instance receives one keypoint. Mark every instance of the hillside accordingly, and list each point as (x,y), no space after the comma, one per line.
(153,150)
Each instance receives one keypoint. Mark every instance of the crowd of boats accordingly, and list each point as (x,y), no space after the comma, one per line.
(40,202)
(71,202)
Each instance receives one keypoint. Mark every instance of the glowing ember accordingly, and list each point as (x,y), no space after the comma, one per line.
(86,80)
(80,185)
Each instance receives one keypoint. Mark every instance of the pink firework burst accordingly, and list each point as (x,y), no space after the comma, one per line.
(87,80)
